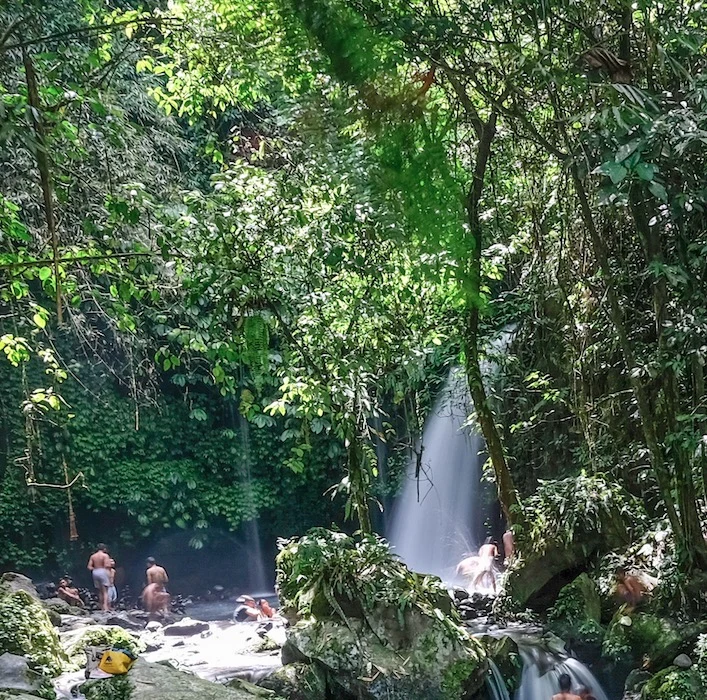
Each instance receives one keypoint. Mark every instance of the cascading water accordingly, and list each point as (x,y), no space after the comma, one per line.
(257,579)
(437,519)
(495,685)
(541,672)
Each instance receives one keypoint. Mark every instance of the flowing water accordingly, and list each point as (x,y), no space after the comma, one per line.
(437,520)
(495,685)
(541,672)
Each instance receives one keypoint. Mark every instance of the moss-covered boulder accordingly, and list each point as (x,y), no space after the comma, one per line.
(651,640)
(146,681)
(673,683)
(360,662)
(376,629)
(577,612)
(26,630)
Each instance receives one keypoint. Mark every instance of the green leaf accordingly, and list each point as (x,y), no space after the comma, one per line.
(645,171)
(658,191)
(615,171)
(39,321)
(44,273)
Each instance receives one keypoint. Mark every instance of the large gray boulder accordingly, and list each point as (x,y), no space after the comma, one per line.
(16,675)
(146,681)
(12,582)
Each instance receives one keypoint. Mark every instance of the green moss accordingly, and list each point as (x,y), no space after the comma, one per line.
(116,688)
(456,678)
(674,684)
(25,629)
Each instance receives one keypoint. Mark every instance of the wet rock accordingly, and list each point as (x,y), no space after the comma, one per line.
(459,594)
(57,605)
(132,620)
(682,661)
(153,626)
(12,582)
(16,676)
(636,680)
(146,681)
(297,682)
(74,622)
(186,628)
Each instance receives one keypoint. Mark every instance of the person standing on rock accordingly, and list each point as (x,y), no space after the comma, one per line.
(112,590)
(155,597)
(98,565)
(508,546)
(565,689)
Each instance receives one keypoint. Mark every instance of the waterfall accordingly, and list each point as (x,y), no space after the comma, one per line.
(437,520)
(495,684)
(541,673)
(257,578)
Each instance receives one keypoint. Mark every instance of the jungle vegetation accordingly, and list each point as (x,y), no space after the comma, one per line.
(241,242)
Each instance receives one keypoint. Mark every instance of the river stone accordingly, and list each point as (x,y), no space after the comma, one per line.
(12,582)
(186,628)
(127,620)
(58,605)
(146,681)
(682,661)
(15,674)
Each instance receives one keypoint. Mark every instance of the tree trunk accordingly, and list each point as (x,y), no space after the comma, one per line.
(507,494)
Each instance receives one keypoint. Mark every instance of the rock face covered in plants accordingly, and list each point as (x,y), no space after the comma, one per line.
(570,521)
(372,627)
(25,627)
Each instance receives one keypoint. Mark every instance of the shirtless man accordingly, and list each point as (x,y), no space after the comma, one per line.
(98,564)
(565,688)
(155,598)
(68,593)
(487,554)
(629,588)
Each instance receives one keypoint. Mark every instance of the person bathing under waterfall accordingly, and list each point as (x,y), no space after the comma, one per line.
(565,689)
(98,565)
(487,557)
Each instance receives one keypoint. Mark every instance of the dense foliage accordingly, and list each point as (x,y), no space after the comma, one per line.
(292,215)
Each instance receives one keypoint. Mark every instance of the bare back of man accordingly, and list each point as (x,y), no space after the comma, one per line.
(157,574)
(98,564)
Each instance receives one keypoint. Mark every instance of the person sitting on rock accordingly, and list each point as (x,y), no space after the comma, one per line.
(248,610)
(68,593)
(565,693)
(629,588)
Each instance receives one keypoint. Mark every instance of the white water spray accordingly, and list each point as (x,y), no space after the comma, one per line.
(437,520)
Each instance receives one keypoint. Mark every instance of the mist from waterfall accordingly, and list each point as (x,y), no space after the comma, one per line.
(437,520)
